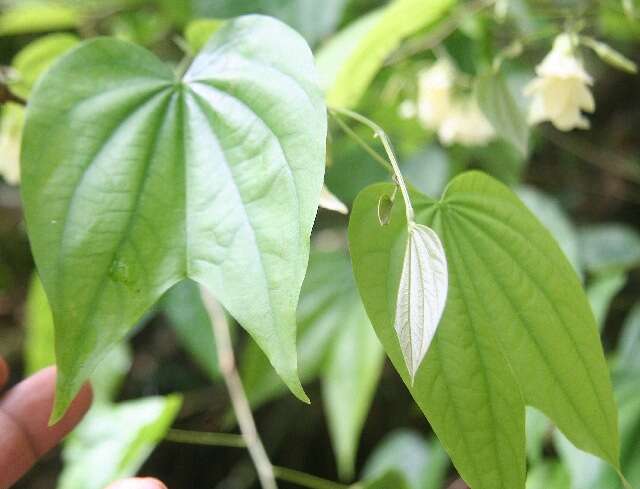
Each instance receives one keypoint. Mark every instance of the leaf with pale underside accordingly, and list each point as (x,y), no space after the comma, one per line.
(422,294)
(135,178)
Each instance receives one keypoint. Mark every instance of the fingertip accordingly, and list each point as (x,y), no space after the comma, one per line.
(138,483)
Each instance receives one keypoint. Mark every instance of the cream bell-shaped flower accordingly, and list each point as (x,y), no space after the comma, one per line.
(561,90)
(434,93)
(465,124)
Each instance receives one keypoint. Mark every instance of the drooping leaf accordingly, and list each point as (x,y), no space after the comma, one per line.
(500,109)
(601,290)
(190,320)
(114,441)
(422,293)
(349,381)
(609,246)
(368,43)
(35,59)
(199,31)
(423,463)
(241,141)
(517,328)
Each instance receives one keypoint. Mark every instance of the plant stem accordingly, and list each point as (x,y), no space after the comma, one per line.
(306,480)
(386,142)
(206,438)
(363,144)
(238,397)
(7,96)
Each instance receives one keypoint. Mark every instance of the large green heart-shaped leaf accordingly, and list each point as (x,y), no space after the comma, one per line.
(517,328)
(135,179)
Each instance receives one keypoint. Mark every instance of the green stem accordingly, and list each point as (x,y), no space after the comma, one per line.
(363,144)
(386,142)
(305,480)
(206,438)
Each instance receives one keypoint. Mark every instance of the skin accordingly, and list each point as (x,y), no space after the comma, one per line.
(24,432)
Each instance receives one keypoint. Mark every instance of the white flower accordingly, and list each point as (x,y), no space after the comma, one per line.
(434,93)
(561,90)
(465,124)
(10,135)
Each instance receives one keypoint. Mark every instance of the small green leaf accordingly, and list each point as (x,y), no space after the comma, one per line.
(391,479)
(199,31)
(349,62)
(517,328)
(214,177)
(27,18)
(500,109)
(183,306)
(113,441)
(423,463)
(38,347)
(548,475)
(422,293)
(37,57)
(349,381)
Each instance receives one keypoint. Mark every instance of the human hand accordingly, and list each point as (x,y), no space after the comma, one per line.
(24,432)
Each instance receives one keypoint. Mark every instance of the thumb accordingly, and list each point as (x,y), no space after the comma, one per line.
(138,483)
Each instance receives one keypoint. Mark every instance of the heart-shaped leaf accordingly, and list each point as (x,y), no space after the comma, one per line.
(517,328)
(135,179)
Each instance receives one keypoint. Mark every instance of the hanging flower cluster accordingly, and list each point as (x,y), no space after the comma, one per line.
(455,117)
(561,89)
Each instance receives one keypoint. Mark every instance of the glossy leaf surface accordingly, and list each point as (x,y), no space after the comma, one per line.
(135,179)
(504,340)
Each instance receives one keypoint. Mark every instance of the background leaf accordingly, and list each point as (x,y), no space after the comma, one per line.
(237,218)
(608,246)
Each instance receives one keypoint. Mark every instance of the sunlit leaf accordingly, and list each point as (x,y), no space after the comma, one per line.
(422,293)
(35,59)
(114,441)
(349,62)
(504,340)
(241,138)
(198,32)
(28,18)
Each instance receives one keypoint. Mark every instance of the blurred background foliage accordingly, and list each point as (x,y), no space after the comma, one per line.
(584,185)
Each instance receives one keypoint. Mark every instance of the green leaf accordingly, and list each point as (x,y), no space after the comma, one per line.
(328,295)
(113,441)
(517,328)
(37,57)
(601,290)
(189,318)
(500,109)
(350,379)
(29,18)
(39,351)
(423,464)
(199,31)
(391,479)
(548,475)
(366,44)
(609,246)
(215,177)
(38,347)
(422,293)
(629,344)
